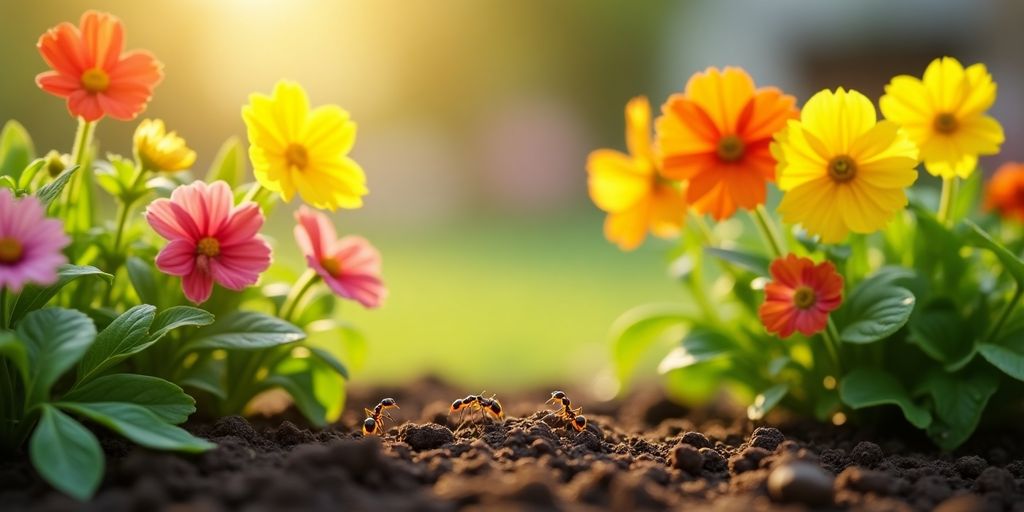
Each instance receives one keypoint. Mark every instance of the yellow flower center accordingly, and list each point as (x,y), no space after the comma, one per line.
(208,247)
(946,123)
(842,169)
(804,298)
(332,266)
(10,251)
(730,148)
(95,80)
(296,156)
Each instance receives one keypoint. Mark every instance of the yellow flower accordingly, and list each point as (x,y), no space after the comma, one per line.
(295,149)
(841,170)
(944,114)
(160,150)
(629,187)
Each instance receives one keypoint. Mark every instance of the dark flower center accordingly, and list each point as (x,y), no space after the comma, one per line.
(332,266)
(208,247)
(95,80)
(11,251)
(804,297)
(842,169)
(730,148)
(296,156)
(946,123)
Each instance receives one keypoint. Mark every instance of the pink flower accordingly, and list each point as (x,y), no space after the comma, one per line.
(350,266)
(210,239)
(30,243)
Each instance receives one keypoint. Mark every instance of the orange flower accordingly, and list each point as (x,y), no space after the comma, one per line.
(716,136)
(629,187)
(1005,191)
(800,296)
(92,73)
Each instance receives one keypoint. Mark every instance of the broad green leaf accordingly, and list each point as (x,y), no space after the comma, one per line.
(941,332)
(30,172)
(141,275)
(52,190)
(207,374)
(870,387)
(300,385)
(14,350)
(874,311)
(56,339)
(66,454)
(9,183)
(16,149)
(331,361)
(698,383)
(177,317)
(755,263)
(164,399)
(1007,353)
(937,250)
(979,238)
(128,334)
(140,425)
(639,329)
(700,345)
(35,297)
(766,401)
(229,165)
(245,330)
(960,400)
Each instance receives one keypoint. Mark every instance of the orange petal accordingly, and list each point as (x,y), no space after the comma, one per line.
(722,94)
(103,38)
(62,49)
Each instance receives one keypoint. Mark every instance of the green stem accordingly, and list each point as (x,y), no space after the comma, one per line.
(1017,293)
(831,336)
(949,189)
(769,231)
(124,209)
(3,308)
(83,138)
(305,282)
(255,193)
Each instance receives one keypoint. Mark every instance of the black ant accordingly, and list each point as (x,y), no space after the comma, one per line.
(487,406)
(374,422)
(565,411)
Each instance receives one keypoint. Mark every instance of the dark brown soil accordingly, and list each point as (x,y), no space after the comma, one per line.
(644,454)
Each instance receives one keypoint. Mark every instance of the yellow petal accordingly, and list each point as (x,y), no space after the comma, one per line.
(944,79)
(628,228)
(980,94)
(638,128)
(615,180)
(329,129)
(290,109)
(907,102)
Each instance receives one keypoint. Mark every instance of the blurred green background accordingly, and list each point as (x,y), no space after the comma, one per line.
(475,119)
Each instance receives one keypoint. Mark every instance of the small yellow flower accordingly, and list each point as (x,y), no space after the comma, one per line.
(841,170)
(629,187)
(944,114)
(160,150)
(294,149)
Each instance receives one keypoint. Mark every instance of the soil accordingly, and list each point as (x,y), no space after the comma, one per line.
(641,454)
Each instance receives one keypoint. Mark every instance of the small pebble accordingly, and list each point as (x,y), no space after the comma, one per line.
(801,482)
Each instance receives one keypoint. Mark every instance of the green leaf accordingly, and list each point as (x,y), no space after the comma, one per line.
(979,238)
(700,345)
(755,263)
(30,172)
(245,330)
(207,374)
(874,311)
(959,401)
(56,339)
(331,361)
(1006,353)
(177,317)
(140,425)
(66,454)
(35,297)
(128,334)
(937,250)
(966,200)
(637,330)
(164,399)
(141,275)
(941,332)
(14,350)
(869,387)
(16,149)
(52,190)
(300,385)
(229,165)
(766,401)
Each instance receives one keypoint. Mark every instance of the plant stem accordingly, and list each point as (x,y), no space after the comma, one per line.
(1017,293)
(83,139)
(949,189)
(254,193)
(3,308)
(831,335)
(769,231)
(305,282)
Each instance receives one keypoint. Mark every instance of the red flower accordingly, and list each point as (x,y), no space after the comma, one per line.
(800,296)
(92,73)
(1005,191)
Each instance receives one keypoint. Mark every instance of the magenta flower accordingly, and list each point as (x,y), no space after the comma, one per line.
(210,239)
(30,243)
(350,266)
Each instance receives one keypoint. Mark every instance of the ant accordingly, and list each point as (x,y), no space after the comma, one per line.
(565,411)
(374,422)
(487,406)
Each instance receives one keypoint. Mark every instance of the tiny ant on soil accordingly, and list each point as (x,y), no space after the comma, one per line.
(565,411)
(374,422)
(487,406)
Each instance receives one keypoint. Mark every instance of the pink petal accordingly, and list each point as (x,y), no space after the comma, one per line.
(242,224)
(314,232)
(367,290)
(357,254)
(197,286)
(177,258)
(170,220)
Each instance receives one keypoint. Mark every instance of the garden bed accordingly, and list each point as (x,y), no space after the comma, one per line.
(643,453)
